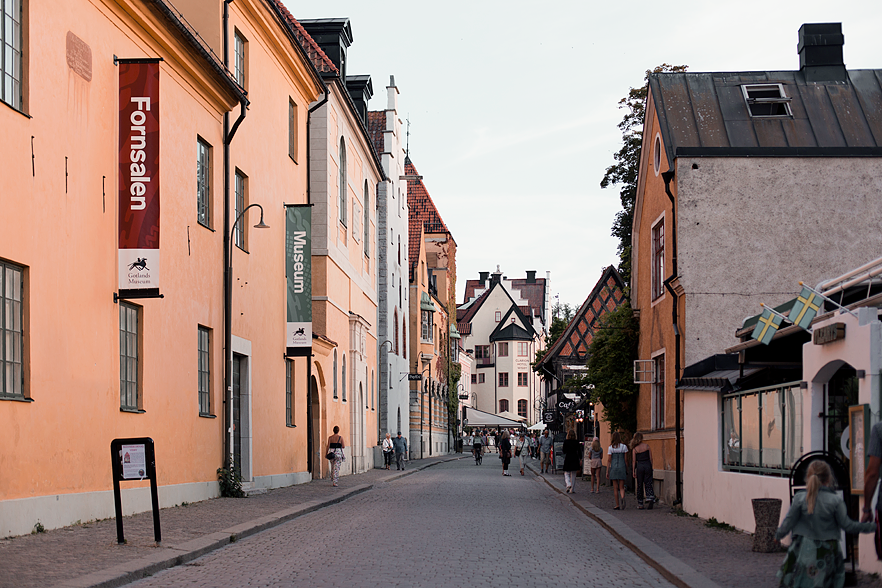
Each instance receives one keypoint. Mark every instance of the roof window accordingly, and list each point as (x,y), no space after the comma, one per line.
(766,100)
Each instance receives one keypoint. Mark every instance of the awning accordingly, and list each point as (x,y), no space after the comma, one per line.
(478,418)
(454,334)
(426,303)
(537,427)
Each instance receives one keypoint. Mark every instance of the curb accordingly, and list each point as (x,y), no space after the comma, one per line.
(672,569)
(169,557)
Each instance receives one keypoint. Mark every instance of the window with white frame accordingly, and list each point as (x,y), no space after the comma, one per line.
(497,316)
(426,335)
(239,189)
(523,349)
(343,378)
(367,220)
(289,392)
(766,100)
(292,129)
(11,331)
(335,374)
(203,183)
(204,370)
(129,356)
(10,53)
(658,393)
(239,61)
(344,201)
(658,259)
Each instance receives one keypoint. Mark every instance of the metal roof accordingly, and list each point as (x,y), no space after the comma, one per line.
(706,114)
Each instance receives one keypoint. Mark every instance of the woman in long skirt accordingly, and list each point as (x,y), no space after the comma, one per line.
(335,447)
(572,456)
(522,448)
(505,453)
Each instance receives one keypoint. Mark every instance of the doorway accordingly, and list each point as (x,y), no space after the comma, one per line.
(238,361)
(313,430)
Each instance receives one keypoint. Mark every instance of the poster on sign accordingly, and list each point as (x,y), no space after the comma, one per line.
(134,462)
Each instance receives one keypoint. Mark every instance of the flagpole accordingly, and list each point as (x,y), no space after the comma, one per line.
(830,300)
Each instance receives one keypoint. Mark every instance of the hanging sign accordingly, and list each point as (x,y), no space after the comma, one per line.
(298,270)
(138,176)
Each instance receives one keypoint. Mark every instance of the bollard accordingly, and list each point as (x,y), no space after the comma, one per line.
(766,513)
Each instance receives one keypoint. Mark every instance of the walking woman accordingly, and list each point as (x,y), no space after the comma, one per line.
(505,453)
(642,460)
(816,518)
(522,447)
(595,454)
(388,450)
(616,470)
(335,447)
(572,459)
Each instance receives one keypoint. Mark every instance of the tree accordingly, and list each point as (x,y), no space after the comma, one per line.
(562,315)
(624,172)
(610,367)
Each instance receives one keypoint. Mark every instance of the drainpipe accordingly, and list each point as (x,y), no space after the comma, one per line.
(668,176)
(228,284)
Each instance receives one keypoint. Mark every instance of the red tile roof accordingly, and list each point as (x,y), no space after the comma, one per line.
(533,293)
(319,58)
(376,125)
(422,215)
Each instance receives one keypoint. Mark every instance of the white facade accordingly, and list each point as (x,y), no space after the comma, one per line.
(394,397)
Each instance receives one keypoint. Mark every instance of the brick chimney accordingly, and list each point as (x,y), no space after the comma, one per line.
(820,52)
(531,276)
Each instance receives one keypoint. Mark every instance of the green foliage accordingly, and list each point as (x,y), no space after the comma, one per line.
(561,314)
(611,368)
(624,172)
(453,405)
(38,528)
(713,523)
(230,482)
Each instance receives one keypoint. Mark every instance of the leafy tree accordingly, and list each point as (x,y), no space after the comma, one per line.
(624,172)
(562,315)
(610,368)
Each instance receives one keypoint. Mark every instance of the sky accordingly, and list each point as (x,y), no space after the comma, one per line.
(513,105)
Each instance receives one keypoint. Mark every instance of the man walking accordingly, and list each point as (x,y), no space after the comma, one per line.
(545,445)
(400,444)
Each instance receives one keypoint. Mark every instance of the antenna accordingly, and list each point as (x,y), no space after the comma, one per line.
(407,146)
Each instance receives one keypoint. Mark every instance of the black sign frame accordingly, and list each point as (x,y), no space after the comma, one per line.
(116,462)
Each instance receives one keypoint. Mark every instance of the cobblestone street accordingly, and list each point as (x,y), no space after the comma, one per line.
(452,525)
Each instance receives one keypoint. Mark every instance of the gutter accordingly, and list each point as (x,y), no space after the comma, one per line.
(668,177)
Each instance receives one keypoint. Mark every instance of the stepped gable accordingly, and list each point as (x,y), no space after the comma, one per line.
(317,56)
(422,215)
(376,126)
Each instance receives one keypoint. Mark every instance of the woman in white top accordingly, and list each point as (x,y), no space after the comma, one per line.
(617,469)
(388,450)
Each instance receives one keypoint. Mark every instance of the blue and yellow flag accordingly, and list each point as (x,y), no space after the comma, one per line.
(807,305)
(766,327)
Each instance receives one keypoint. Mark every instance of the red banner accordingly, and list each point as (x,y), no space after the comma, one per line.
(138,175)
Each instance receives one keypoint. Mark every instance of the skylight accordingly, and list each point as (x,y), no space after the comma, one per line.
(765,100)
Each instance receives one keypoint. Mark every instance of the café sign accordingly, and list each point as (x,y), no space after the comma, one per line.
(828,334)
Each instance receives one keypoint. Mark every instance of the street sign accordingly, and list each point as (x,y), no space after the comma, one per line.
(549,416)
(414,377)
(464,397)
(566,404)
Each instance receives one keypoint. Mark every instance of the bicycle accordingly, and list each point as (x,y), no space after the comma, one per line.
(478,455)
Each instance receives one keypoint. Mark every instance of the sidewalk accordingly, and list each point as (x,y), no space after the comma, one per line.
(88,555)
(682,548)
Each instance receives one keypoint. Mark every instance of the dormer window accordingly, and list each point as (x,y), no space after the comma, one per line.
(766,100)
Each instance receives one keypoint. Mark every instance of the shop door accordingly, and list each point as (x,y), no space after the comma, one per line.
(237,411)
(840,393)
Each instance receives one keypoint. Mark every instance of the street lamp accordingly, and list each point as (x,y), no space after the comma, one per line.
(228,338)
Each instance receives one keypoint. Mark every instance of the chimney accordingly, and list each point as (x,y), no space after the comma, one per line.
(334,36)
(820,52)
(360,90)
(531,276)
(483,277)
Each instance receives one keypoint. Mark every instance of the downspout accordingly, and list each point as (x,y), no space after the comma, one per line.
(668,176)
(309,112)
(228,283)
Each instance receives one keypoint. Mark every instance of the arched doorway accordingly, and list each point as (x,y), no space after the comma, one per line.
(840,392)
(313,430)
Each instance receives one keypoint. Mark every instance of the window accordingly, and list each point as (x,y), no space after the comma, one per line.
(203,183)
(11,331)
(523,349)
(395,333)
(292,129)
(481,379)
(239,231)
(343,377)
(762,429)
(498,316)
(204,370)
(10,53)
(522,408)
(474,378)
(342,181)
(372,391)
(658,259)
(503,405)
(289,392)
(239,65)
(335,374)
(522,379)
(129,344)
(658,393)
(426,334)
(404,336)
(656,154)
(482,352)
(367,220)
(766,100)
(502,349)
(503,379)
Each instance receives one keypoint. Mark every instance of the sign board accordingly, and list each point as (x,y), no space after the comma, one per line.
(858,444)
(549,416)
(134,459)
(298,271)
(566,405)
(138,235)
(414,377)
(828,334)
(463,396)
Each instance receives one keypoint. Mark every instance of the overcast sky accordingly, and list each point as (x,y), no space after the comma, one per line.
(513,105)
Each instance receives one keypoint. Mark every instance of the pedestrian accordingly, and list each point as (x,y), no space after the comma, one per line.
(641,458)
(335,448)
(534,446)
(816,518)
(616,469)
(871,477)
(522,448)
(505,453)
(572,452)
(400,445)
(595,455)
(477,447)
(545,445)
(388,451)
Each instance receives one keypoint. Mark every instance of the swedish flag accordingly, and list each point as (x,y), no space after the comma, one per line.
(767,326)
(806,306)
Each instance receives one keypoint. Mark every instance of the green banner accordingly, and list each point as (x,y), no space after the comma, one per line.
(298,270)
